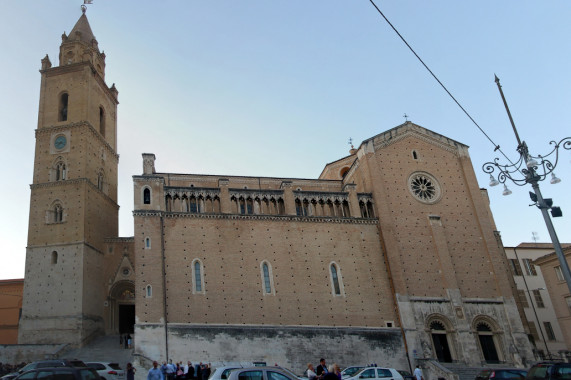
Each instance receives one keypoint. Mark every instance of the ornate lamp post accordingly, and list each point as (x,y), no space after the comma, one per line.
(531,170)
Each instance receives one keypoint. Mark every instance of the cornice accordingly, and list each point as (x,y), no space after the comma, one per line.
(252,181)
(69,182)
(130,239)
(274,218)
(403,131)
(148,178)
(77,125)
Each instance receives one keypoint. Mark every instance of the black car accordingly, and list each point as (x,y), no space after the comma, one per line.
(502,373)
(60,373)
(43,364)
(550,371)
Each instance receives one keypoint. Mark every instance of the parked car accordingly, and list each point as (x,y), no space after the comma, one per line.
(351,370)
(549,371)
(60,373)
(107,371)
(377,373)
(406,375)
(221,373)
(261,373)
(502,373)
(44,364)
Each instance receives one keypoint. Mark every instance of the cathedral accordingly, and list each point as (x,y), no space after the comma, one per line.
(391,256)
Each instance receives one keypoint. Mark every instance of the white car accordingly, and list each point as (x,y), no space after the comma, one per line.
(351,371)
(376,373)
(107,371)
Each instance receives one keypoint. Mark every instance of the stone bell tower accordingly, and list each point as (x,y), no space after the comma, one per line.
(73,205)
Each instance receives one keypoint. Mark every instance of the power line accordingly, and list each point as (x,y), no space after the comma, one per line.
(496,147)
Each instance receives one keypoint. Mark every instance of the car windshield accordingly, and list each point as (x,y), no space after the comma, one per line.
(27,367)
(114,366)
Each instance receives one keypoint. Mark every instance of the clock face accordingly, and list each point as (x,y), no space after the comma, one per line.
(60,142)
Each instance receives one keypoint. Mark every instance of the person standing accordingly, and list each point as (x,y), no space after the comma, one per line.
(155,373)
(321,368)
(418,373)
(171,370)
(311,375)
(190,371)
(131,371)
(198,372)
(206,372)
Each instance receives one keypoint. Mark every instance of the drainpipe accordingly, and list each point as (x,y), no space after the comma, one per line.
(164,286)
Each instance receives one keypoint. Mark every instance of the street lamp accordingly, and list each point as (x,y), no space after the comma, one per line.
(531,170)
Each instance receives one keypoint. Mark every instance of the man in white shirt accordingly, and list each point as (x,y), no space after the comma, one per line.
(418,373)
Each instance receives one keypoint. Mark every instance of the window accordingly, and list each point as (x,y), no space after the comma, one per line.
(533,330)
(63,103)
(559,273)
(267,278)
(538,299)
(58,213)
(147,196)
(335,279)
(198,277)
(251,375)
(367,374)
(149,291)
(54,257)
(522,298)
(60,171)
(147,243)
(276,376)
(529,267)
(383,372)
(516,268)
(102,121)
(100,181)
(549,330)
(414,155)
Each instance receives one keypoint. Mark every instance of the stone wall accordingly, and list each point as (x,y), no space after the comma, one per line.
(18,353)
(290,347)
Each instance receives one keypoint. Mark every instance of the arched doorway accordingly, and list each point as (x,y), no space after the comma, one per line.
(488,336)
(441,334)
(122,307)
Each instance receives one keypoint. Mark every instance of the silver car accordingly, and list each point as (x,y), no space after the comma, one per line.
(261,373)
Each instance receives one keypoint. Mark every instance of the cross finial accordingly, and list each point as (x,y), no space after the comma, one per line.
(405,117)
(351,142)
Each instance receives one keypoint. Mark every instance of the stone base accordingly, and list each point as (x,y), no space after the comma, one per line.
(290,347)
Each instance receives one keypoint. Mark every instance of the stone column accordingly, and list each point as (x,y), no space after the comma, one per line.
(289,201)
(354,209)
(225,207)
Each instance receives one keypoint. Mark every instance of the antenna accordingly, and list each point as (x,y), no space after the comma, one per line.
(535,237)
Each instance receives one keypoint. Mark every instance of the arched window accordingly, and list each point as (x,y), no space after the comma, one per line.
(336,282)
(102,121)
(100,180)
(197,277)
(267,278)
(54,257)
(438,328)
(487,332)
(147,196)
(414,155)
(149,291)
(60,171)
(63,103)
(148,243)
(58,213)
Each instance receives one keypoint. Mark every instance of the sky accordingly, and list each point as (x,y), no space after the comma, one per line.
(277,88)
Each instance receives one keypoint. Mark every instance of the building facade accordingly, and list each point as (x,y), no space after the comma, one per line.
(539,312)
(10,309)
(390,256)
(559,293)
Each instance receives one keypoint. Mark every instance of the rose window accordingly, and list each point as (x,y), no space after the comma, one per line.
(424,187)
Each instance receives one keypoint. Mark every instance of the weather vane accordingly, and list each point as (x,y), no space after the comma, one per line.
(405,117)
(351,142)
(83,6)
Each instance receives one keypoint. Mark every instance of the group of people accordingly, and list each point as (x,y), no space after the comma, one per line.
(333,372)
(179,371)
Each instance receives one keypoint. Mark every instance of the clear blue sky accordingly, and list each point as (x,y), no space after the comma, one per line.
(276,88)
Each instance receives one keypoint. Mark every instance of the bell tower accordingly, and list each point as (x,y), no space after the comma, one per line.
(73,205)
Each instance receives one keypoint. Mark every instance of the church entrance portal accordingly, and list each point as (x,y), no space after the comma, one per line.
(126,319)
(441,347)
(121,317)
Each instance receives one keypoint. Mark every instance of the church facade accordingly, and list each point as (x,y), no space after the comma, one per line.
(391,255)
